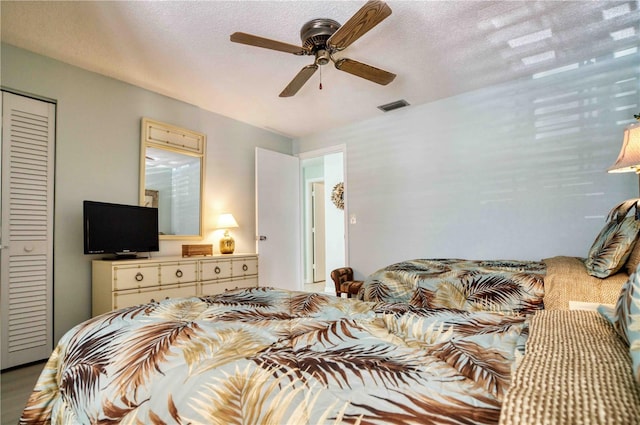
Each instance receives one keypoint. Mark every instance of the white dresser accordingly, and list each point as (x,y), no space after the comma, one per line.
(125,283)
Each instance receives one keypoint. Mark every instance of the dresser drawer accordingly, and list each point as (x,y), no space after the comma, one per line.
(126,283)
(213,270)
(171,273)
(135,277)
(128,298)
(213,288)
(244,267)
(246,282)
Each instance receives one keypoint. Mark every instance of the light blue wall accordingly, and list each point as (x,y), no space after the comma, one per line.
(515,171)
(98,157)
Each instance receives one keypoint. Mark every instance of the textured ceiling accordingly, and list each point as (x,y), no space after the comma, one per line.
(436,48)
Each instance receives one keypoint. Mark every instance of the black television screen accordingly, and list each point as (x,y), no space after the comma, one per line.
(119,229)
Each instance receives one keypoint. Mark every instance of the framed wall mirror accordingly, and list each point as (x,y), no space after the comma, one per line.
(172,178)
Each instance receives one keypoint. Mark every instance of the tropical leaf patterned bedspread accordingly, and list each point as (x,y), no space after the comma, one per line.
(473,285)
(266,356)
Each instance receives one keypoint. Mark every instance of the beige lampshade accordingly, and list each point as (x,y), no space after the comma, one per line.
(629,157)
(226,221)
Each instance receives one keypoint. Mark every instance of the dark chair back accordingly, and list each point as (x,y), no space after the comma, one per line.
(344,283)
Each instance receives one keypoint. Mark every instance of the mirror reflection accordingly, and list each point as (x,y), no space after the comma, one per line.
(172,184)
(171,178)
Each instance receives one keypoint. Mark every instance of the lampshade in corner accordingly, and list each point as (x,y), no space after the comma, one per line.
(629,157)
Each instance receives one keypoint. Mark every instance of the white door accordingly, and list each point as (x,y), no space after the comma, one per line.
(318,232)
(278,220)
(26,257)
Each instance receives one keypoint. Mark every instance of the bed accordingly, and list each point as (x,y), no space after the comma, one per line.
(582,360)
(442,341)
(577,370)
(271,356)
(493,285)
(513,285)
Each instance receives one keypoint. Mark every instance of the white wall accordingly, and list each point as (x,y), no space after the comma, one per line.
(97,158)
(516,171)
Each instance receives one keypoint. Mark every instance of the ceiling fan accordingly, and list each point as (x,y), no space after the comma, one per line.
(324,37)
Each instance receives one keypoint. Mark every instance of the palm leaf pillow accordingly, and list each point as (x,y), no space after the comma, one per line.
(612,247)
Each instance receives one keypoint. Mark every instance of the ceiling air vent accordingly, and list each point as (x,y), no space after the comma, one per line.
(393,105)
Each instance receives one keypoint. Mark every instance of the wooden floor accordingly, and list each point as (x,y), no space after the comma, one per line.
(16,385)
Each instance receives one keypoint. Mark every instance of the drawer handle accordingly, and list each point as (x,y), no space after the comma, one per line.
(178,273)
(217,270)
(139,277)
(245,267)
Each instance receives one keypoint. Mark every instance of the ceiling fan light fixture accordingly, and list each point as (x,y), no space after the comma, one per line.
(393,105)
(322,57)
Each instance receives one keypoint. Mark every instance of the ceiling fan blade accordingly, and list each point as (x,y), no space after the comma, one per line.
(370,15)
(254,40)
(299,80)
(365,71)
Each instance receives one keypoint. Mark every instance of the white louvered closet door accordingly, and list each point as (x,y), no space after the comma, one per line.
(26,257)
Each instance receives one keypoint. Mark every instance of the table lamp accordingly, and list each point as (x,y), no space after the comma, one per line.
(226,222)
(629,157)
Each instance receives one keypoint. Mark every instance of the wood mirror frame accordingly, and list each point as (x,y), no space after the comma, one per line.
(169,153)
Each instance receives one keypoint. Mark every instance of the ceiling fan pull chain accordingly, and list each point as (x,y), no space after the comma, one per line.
(320,78)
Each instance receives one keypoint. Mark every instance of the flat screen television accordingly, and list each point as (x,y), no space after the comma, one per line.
(121,230)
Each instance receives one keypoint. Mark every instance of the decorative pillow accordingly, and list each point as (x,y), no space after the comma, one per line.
(626,319)
(612,247)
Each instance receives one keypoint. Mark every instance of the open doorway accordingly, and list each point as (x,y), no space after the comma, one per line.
(318,232)
(323,221)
